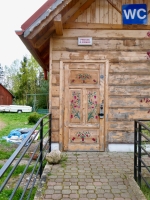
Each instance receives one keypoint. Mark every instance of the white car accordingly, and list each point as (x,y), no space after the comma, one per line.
(16,108)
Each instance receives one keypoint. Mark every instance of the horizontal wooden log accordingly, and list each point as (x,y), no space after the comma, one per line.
(55,101)
(120,137)
(128,113)
(55,124)
(116,34)
(125,79)
(102,44)
(56,67)
(55,113)
(55,79)
(112,56)
(131,68)
(84,25)
(125,101)
(121,126)
(55,91)
(129,90)
(55,136)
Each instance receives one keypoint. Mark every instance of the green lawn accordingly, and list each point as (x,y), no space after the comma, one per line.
(12,121)
(146,191)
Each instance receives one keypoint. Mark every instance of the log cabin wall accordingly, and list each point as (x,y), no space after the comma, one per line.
(129,66)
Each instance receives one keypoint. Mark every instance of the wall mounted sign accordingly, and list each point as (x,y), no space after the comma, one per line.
(134,14)
(84,40)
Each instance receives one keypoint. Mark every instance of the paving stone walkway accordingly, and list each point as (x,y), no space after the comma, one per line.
(91,175)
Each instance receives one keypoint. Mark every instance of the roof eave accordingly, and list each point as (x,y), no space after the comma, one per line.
(37,14)
(31,50)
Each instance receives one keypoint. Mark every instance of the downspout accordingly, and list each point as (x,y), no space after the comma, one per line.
(45,74)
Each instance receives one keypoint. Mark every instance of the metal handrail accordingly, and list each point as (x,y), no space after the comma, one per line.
(139,164)
(41,130)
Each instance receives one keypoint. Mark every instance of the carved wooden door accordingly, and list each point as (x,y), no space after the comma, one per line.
(84,92)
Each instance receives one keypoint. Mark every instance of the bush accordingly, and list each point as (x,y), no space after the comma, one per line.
(33,118)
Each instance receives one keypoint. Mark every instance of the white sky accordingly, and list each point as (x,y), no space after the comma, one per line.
(13,13)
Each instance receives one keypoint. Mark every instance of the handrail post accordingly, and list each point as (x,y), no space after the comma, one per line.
(139,155)
(50,131)
(41,148)
(135,150)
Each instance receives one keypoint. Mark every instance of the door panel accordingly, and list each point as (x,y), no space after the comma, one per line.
(80,77)
(83,95)
(75,109)
(92,108)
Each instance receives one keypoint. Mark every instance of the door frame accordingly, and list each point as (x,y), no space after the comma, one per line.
(61,103)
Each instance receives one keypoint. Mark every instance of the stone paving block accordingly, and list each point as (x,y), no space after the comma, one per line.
(91,191)
(114,191)
(91,196)
(48,196)
(51,183)
(88,180)
(107,191)
(113,183)
(58,187)
(100,191)
(50,187)
(74,196)
(97,183)
(67,191)
(66,183)
(108,195)
(66,187)
(82,191)
(125,195)
(74,187)
(100,195)
(58,191)
(74,191)
(47,192)
(57,196)
(90,187)
(65,196)
(82,183)
(105,187)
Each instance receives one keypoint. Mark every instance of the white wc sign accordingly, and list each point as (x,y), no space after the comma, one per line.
(134,14)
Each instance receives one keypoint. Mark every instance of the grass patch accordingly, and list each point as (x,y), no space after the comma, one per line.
(76,154)
(17,171)
(146,191)
(63,160)
(13,121)
(5,194)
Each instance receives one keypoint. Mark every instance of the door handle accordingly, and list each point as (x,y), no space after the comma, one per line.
(101,114)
